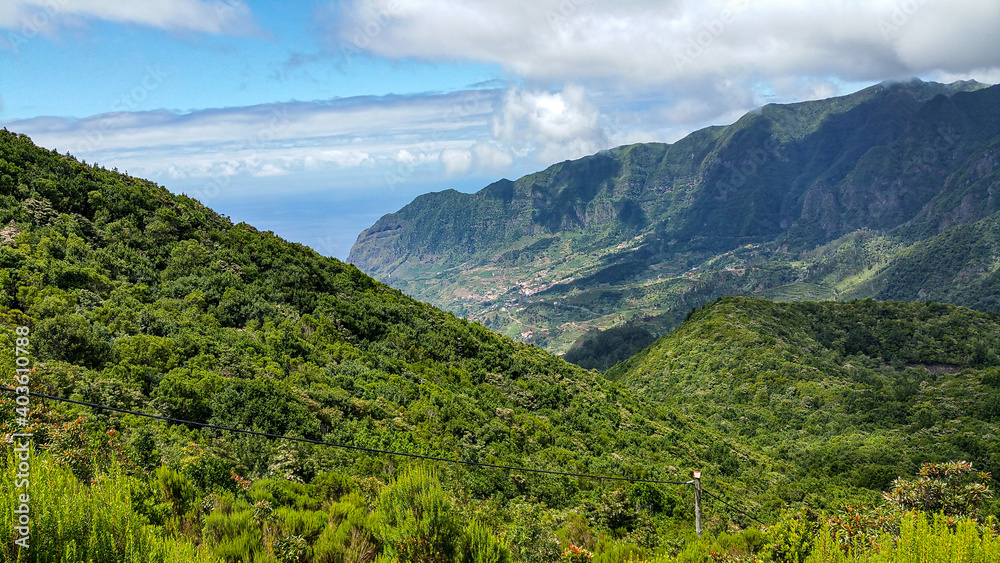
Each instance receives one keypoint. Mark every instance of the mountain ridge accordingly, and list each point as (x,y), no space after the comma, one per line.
(139,298)
(631,232)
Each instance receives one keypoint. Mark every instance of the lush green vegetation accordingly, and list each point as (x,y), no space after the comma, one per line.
(850,394)
(143,300)
(74,521)
(139,299)
(957,266)
(821,200)
(122,517)
(602,349)
(922,539)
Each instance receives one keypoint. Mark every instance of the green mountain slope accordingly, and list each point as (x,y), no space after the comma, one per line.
(139,299)
(639,235)
(854,393)
(960,265)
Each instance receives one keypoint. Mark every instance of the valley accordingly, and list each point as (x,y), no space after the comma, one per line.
(157,326)
(823,200)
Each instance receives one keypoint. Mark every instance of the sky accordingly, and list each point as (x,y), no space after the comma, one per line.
(314,118)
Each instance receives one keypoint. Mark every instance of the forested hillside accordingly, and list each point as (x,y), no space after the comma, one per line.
(141,300)
(857,393)
(805,201)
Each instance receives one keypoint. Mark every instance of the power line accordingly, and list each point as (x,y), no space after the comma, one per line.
(736,508)
(348,446)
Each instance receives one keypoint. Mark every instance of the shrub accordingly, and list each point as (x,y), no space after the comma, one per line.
(922,539)
(416,521)
(72,521)
(953,488)
(481,546)
(71,338)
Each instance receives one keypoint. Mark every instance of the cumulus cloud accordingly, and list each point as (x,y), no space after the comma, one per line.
(404,156)
(490,156)
(33,17)
(586,69)
(549,125)
(456,161)
(680,44)
(485,156)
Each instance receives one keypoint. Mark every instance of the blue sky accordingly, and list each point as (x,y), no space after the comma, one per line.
(314,118)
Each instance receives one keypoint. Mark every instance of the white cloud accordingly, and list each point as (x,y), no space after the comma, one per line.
(267,170)
(491,156)
(594,74)
(456,161)
(549,125)
(33,17)
(491,132)
(949,36)
(681,45)
(984,75)
(278,139)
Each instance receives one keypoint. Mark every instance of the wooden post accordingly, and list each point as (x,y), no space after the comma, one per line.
(697,502)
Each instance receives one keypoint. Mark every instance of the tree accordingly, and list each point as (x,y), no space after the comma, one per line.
(264,405)
(953,487)
(71,338)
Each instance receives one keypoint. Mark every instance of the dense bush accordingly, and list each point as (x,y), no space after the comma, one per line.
(74,521)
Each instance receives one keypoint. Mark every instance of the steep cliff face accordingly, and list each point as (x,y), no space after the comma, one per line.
(654,229)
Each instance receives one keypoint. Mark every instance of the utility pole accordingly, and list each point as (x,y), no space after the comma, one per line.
(697,502)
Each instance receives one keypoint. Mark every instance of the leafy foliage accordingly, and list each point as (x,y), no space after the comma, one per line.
(921,539)
(416,521)
(139,299)
(952,488)
(72,521)
(850,394)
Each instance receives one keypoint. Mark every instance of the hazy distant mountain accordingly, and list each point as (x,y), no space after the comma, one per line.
(814,200)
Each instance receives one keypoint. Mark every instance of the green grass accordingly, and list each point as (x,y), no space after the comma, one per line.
(72,521)
(922,539)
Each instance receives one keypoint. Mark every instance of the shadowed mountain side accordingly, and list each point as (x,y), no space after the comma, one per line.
(643,233)
(862,389)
